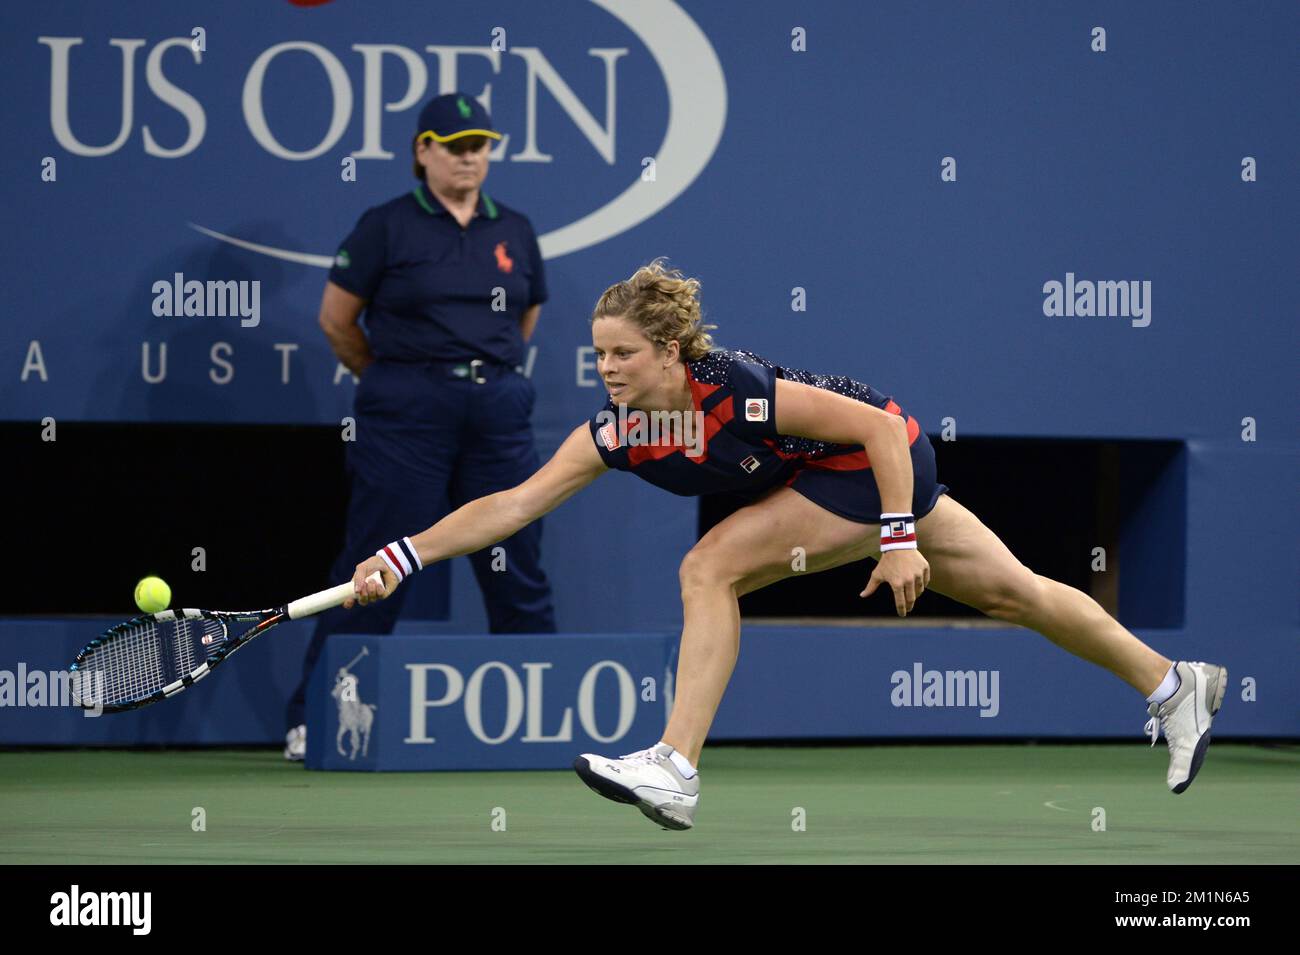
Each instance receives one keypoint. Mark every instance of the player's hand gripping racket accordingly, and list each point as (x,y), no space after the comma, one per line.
(149,658)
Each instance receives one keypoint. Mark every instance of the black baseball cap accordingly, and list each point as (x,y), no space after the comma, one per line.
(454,116)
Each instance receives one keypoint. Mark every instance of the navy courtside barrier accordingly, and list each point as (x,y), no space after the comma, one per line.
(471,702)
(790,683)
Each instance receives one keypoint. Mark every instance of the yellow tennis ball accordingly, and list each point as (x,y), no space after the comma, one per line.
(152,594)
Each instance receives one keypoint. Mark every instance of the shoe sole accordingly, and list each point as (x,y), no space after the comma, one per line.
(612,790)
(1203,744)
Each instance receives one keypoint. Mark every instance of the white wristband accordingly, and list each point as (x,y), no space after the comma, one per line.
(401,558)
(897,532)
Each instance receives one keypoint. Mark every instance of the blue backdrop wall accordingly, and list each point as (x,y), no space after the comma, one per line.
(922,173)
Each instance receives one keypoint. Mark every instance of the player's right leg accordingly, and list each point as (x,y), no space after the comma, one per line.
(783,534)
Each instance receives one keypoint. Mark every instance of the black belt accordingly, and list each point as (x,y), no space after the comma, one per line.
(479,370)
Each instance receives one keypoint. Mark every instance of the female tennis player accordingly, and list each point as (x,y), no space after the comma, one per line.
(828,464)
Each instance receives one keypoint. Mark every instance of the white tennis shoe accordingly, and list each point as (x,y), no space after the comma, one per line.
(1186,718)
(649,780)
(295,744)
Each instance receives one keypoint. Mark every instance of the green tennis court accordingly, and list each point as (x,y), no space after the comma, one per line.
(1011,803)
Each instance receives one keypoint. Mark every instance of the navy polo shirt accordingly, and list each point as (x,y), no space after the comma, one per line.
(430,285)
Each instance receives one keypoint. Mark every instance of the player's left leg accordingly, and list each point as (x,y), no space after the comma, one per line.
(969,563)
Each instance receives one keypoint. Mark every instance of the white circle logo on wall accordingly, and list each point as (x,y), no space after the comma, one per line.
(697,111)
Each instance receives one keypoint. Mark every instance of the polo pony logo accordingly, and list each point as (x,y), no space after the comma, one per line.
(504,262)
(355,717)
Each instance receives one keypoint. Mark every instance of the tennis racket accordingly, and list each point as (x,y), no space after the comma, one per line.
(149,658)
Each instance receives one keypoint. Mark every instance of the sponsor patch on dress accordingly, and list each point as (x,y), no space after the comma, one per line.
(609,437)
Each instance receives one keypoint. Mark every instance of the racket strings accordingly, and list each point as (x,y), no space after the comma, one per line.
(151,656)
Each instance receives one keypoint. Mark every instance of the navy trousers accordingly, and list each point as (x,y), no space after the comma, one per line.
(426,443)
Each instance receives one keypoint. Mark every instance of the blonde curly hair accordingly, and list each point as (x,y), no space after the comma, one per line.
(664,304)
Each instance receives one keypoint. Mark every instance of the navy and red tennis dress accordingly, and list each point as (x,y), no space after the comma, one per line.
(740,451)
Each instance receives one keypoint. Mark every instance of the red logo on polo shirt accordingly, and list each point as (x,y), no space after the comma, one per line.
(755,409)
(504,262)
(609,436)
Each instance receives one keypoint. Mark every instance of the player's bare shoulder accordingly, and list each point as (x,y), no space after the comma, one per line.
(580,452)
(573,466)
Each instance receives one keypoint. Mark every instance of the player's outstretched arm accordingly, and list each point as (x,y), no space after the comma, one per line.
(494,517)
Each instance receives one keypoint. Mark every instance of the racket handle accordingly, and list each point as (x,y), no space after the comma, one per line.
(325,599)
